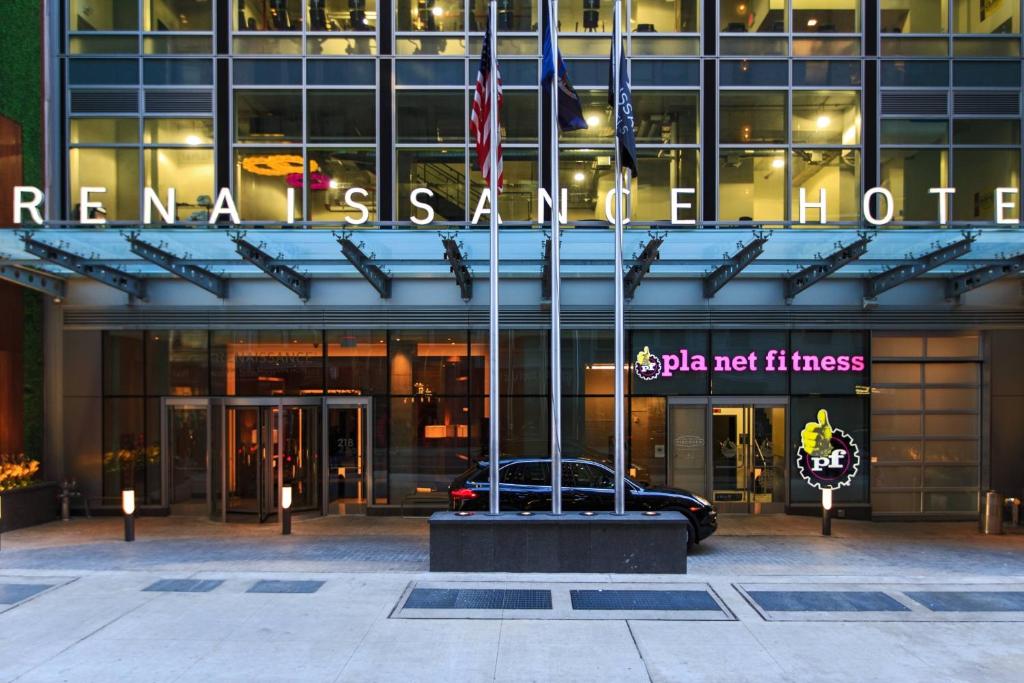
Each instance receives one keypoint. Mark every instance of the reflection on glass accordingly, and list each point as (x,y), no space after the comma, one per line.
(117,170)
(341,116)
(907,174)
(429,15)
(518,116)
(986,16)
(598,114)
(338,171)
(105,131)
(342,15)
(192,132)
(189,172)
(177,363)
(430,116)
(513,15)
(666,117)
(268,15)
(267,362)
(751,185)
(826,16)
(976,175)
(915,131)
(585,16)
(914,16)
(837,171)
(986,132)
(747,16)
(658,16)
(103,15)
(752,117)
(268,116)
(177,15)
(262,179)
(827,117)
(647,440)
(587,176)
(443,171)
(518,201)
(660,171)
(357,362)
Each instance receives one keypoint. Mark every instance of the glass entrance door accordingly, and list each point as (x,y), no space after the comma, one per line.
(748,457)
(347,443)
(186,443)
(267,444)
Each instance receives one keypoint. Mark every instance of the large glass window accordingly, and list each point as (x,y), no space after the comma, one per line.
(342,15)
(908,174)
(666,117)
(117,170)
(658,16)
(430,116)
(587,176)
(976,175)
(660,171)
(752,185)
(105,131)
(745,16)
(429,15)
(826,16)
(262,179)
(914,16)
(837,172)
(357,362)
(332,173)
(341,116)
(103,15)
(518,200)
(598,114)
(426,364)
(268,116)
(442,171)
(826,117)
(986,16)
(177,15)
(177,363)
(752,117)
(190,172)
(268,15)
(191,132)
(267,363)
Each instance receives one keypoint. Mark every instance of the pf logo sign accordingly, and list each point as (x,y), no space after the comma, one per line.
(827,457)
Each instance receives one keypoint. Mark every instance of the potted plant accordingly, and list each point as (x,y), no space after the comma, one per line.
(24,500)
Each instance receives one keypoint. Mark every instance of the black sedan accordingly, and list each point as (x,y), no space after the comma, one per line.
(586,486)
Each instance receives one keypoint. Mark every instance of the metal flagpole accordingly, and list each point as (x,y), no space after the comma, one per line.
(620,451)
(492,123)
(556,280)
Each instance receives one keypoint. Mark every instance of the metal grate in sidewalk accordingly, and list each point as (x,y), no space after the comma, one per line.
(478,598)
(182,586)
(826,601)
(691,600)
(969,601)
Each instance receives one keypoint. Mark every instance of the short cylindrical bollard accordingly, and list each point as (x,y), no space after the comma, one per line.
(128,507)
(991,521)
(826,512)
(286,510)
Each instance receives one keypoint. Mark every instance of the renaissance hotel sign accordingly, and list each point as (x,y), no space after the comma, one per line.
(878,204)
(650,366)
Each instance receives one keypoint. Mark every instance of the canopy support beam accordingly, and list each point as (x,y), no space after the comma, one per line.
(182,267)
(906,272)
(453,255)
(108,275)
(734,264)
(642,264)
(33,279)
(283,273)
(819,271)
(979,277)
(377,278)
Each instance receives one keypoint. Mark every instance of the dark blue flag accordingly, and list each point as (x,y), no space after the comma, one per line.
(570,110)
(626,132)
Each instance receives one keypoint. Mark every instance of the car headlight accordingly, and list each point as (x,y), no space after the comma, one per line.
(703,501)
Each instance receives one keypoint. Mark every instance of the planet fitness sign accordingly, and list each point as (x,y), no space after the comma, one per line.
(828,457)
(650,366)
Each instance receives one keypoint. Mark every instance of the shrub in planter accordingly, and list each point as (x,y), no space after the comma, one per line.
(17,471)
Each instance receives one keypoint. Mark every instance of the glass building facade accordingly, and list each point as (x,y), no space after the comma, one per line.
(328,114)
(749,103)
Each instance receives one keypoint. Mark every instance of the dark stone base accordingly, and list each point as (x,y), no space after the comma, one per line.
(632,543)
(29,506)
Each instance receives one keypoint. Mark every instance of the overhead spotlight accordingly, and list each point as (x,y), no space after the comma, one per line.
(193,140)
(812,22)
(593,120)
(578,176)
(778,162)
(437,11)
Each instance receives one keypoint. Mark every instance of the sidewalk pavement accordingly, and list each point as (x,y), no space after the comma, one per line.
(936,602)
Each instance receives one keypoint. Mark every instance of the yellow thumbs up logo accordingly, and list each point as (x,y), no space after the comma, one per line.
(816,437)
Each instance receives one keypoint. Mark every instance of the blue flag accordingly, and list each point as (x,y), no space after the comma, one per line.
(626,132)
(570,110)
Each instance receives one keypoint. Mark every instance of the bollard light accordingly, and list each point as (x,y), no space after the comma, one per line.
(826,512)
(286,510)
(128,507)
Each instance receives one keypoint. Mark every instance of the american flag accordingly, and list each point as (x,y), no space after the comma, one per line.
(479,120)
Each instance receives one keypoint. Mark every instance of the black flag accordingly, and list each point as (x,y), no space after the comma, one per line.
(625,131)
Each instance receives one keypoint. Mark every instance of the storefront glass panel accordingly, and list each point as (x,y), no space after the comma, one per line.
(850,414)
(647,461)
(733,373)
(267,363)
(357,362)
(177,363)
